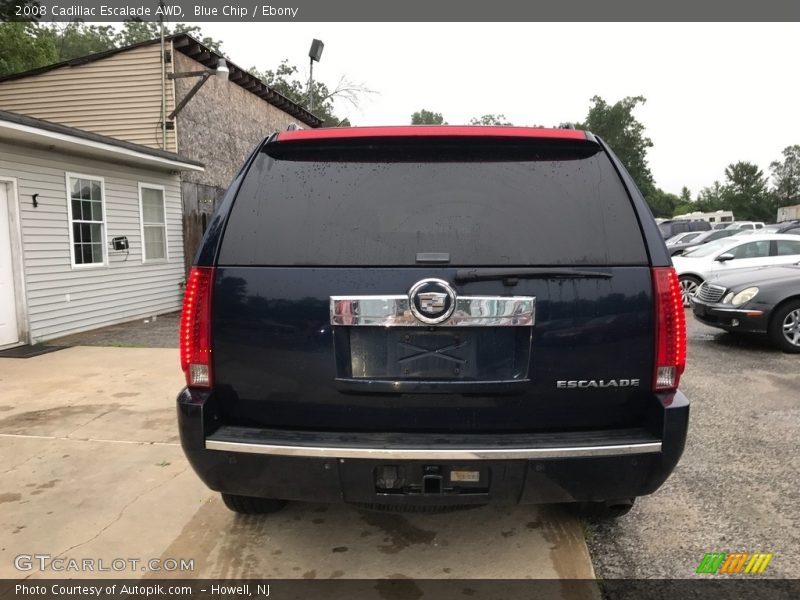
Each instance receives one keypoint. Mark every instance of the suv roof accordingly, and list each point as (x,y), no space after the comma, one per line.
(434,131)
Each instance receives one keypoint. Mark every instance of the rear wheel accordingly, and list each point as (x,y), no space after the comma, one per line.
(603,511)
(784,327)
(689,285)
(247,505)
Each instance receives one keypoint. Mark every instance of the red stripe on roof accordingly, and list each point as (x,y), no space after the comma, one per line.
(430,131)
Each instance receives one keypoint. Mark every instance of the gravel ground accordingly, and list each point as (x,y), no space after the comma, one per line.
(153,332)
(736,487)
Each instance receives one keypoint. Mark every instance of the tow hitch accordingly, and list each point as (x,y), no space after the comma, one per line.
(415,479)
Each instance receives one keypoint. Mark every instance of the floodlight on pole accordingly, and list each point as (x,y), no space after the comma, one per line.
(222,71)
(314,54)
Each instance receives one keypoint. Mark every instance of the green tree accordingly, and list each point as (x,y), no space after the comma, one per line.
(684,204)
(662,203)
(285,80)
(135,31)
(490,119)
(25,46)
(786,177)
(712,198)
(21,49)
(617,125)
(746,192)
(78,39)
(427,117)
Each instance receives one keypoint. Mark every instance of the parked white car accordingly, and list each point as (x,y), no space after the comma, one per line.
(732,253)
(683,238)
(746,225)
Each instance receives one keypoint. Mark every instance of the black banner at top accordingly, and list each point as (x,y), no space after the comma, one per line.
(193,11)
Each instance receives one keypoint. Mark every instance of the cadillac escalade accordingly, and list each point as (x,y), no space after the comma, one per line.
(425,318)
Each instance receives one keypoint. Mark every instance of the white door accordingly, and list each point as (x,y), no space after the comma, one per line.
(9,334)
(745,256)
(788,252)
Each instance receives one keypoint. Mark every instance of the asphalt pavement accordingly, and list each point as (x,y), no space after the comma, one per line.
(736,487)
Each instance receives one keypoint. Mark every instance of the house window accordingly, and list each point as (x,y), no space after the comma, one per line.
(154,223)
(87,220)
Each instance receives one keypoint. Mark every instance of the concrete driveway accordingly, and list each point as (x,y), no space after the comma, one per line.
(92,469)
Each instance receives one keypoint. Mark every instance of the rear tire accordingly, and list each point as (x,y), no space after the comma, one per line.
(247,505)
(689,285)
(604,511)
(784,327)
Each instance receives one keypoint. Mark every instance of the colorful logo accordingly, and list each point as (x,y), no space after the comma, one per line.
(742,562)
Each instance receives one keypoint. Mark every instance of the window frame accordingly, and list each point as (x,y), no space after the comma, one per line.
(68,175)
(753,242)
(777,242)
(153,186)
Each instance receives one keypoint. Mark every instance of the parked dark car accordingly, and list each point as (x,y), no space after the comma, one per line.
(674,227)
(764,300)
(703,238)
(792,227)
(392,318)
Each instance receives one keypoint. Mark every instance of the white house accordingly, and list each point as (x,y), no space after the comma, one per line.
(90,230)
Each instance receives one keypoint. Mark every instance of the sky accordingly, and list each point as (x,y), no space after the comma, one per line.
(716,93)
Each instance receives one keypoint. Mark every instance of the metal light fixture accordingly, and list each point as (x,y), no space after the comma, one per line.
(314,54)
(221,71)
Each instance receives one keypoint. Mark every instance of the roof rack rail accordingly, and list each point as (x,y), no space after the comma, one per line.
(566,126)
(293,127)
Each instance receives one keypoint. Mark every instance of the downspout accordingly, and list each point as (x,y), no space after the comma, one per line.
(163,85)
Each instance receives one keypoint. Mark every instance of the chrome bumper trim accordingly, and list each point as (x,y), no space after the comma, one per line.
(470,311)
(434,453)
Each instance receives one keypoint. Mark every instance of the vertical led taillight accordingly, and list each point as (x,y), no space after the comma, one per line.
(670,355)
(195,334)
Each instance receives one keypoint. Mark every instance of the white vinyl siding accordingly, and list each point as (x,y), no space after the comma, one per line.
(86,220)
(61,299)
(154,223)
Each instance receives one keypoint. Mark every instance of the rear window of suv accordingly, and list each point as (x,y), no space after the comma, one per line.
(380,203)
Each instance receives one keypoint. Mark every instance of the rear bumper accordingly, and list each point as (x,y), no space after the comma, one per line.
(507,468)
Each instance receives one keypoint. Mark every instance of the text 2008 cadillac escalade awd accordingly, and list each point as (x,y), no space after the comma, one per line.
(428,317)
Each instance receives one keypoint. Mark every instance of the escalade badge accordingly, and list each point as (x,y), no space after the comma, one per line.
(432,301)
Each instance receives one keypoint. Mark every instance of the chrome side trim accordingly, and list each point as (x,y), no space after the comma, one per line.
(470,311)
(434,453)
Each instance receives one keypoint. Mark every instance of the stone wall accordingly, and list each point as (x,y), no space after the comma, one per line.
(221,125)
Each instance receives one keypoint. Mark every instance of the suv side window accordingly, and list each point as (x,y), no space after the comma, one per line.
(751,250)
(788,247)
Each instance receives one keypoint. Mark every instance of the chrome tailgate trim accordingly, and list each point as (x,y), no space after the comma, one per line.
(336,452)
(470,311)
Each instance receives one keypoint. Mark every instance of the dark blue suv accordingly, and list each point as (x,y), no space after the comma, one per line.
(428,317)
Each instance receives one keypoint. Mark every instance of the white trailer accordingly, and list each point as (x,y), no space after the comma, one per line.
(788,213)
(720,216)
